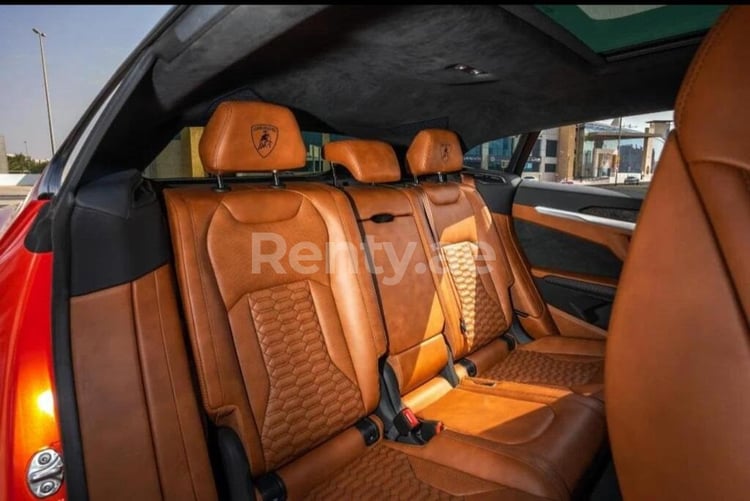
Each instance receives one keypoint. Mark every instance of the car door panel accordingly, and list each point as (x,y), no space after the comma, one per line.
(573,241)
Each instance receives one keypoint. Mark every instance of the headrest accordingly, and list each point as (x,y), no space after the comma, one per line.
(709,117)
(250,136)
(433,151)
(368,161)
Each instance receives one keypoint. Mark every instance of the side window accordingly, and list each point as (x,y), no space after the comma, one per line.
(492,155)
(180,157)
(619,153)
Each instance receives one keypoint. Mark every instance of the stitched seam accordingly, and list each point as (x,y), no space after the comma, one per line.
(225,206)
(196,346)
(144,390)
(695,71)
(201,272)
(180,427)
(719,251)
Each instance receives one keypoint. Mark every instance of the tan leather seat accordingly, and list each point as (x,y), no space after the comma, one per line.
(555,428)
(678,358)
(284,326)
(475,286)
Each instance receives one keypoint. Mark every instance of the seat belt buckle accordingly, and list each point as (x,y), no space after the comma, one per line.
(406,421)
(428,429)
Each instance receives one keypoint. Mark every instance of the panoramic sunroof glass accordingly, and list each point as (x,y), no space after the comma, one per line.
(608,29)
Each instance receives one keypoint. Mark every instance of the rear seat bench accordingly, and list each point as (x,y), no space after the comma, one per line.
(407,278)
(462,228)
(287,355)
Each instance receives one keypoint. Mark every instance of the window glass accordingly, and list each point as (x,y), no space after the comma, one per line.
(550,149)
(492,155)
(180,157)
(619,153)
(531,166)
(536,151)
(613,28)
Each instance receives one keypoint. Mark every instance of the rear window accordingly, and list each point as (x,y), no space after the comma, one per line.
(180,157)
(492,155)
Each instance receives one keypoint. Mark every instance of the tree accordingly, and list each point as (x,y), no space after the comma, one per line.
(20,163)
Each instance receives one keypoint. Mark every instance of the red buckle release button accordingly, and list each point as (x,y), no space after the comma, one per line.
(410,418)
(406,421)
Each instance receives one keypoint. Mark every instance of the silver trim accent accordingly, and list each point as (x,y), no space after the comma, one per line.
(586,218)
(44,474)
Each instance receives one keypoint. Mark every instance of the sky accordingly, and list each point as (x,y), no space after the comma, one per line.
(639,122)
(83,48)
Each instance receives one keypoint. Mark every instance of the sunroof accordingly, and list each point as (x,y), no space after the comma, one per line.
(612,28)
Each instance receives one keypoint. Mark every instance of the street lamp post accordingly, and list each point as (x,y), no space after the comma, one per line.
(46,88)
(617,158)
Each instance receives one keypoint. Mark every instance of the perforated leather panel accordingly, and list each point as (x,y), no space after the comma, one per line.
(394,479)
(482,315)
(310,398)
(525,366)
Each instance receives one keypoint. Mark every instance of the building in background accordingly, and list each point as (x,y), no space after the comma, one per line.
(492,155)
(586,152)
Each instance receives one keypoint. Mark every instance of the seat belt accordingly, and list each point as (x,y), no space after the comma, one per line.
(426,207)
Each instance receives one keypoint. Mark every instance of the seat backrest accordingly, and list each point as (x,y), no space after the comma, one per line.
(283,323)
(470,245)
(397,243)
(678,356)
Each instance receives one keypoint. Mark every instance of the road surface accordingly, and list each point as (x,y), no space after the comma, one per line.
(12,195)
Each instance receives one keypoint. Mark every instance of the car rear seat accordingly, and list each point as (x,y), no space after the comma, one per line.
(287,357)
(551,427)
(480,301)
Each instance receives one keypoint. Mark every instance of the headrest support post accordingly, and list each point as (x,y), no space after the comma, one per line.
(220,186)
(333,173)
(276,181)
(441,177)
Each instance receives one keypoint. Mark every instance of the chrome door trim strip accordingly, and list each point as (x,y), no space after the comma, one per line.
(586,218)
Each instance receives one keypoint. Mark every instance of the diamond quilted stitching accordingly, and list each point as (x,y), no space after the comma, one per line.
(380,473)
(310,398)
(482,315)
(526,366)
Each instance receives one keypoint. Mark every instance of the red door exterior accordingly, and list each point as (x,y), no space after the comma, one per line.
(28,420)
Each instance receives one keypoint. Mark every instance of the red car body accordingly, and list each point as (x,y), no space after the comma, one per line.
(28,420)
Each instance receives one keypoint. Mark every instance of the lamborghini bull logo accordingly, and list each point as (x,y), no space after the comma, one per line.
(264,138)
(445,151)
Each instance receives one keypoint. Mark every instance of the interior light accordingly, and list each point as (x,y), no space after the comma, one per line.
(46,403)
(465,68)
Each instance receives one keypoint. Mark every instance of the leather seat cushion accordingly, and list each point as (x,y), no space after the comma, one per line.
(384,472)
(540,430)
(567,362)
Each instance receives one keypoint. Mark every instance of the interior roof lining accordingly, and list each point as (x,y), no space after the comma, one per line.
(343,65)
